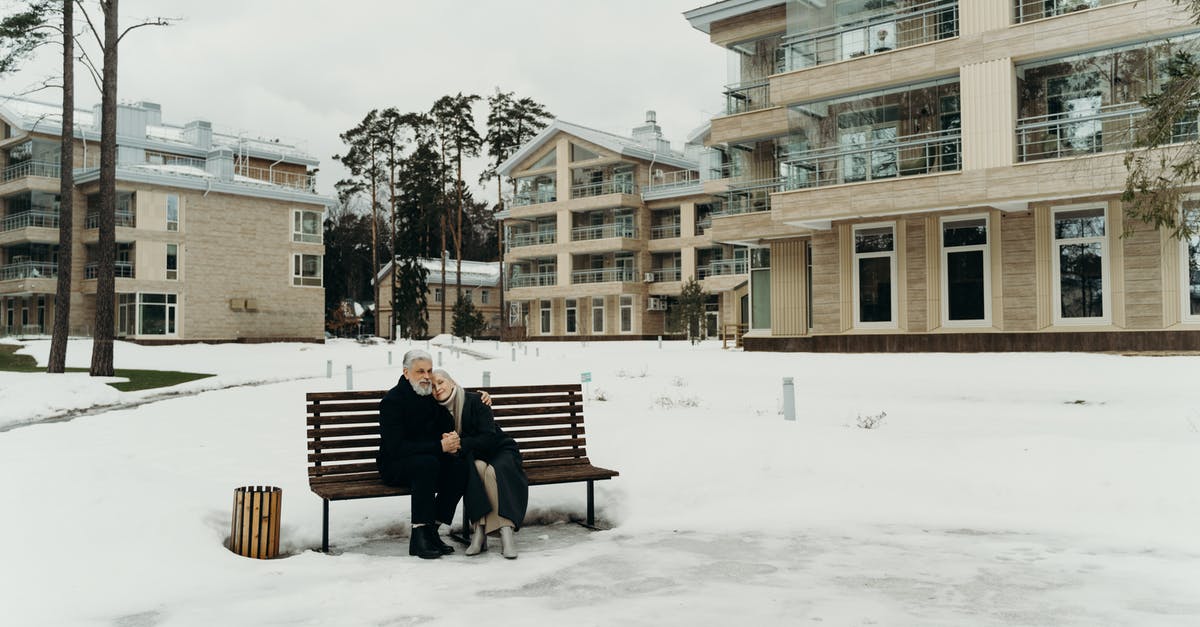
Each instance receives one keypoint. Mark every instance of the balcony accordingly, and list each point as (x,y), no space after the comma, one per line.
(1029,10)
(925,153)
(536,279)
(42,169)
(603,231)
(1109,128)
(889,28)
(533,198)
(122,218)
(662,275)
(604,275)
(668,184)
(728,267)
(279,178)
(29,270)
(28,219)
(748,197)
(665,231)
(746,97)
(537,238)
(121,270)
(602,188)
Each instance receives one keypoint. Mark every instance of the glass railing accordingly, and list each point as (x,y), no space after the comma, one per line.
(668,274)
(725,171)
(939,151)
(1106,129)
(664,231)
(1029,10)
(749,197)
(744,97)
(889,28)
(724,268)
(92,220)
(604,275)
(27,219)
(604,187)
(603,231)
(516,240)
(673,180)
(537,279)
(121,269)
(533,198)
(29,270)
(44,169)
(279,178)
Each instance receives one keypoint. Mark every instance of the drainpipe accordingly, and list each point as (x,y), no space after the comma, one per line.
(270,168)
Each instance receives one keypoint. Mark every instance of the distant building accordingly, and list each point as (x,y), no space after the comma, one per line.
(219,234)
(480,285)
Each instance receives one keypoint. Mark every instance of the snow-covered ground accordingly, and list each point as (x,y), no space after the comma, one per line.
(999,489)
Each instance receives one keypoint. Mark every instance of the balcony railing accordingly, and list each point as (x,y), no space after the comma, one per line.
(604,187)
(121,269)
(747,97)
(938,151)
(725,171)
(880,31)
(29,270)
(280,178)
(533,198)
(92,220)
(1029,10)
(603,231)
(668,274)
(536,279)
(750,197)
(27,219)
(44,169)
(536,238)
(664,231)
(726,267)
(671,180)
(604,275)
(1110,128)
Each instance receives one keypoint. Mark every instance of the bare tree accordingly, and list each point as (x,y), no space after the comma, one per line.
(66,198)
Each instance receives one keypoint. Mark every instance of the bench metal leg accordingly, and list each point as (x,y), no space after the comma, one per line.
(324,525)
(591,504)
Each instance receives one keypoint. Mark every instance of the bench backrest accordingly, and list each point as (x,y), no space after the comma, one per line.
(545,420)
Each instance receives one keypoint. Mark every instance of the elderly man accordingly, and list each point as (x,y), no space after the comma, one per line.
(418,450)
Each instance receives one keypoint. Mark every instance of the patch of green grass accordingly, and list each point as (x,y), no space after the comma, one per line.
(138,379)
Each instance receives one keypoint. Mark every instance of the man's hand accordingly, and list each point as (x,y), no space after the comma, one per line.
(485,397)
(450,442)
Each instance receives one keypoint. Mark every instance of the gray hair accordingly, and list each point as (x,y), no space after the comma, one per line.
(415,355)
(440,372)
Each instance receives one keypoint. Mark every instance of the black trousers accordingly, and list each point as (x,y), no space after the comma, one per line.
(437,482)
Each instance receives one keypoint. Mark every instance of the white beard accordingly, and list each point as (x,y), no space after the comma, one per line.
(422,388)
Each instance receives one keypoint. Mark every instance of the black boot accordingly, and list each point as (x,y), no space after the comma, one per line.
(446,549)
(420,544)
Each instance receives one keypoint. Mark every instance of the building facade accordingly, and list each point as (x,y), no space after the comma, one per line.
(219,235)
(602,231)
(946,175)
(480,285)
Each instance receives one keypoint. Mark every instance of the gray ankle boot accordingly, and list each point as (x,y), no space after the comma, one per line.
(508,544)
(478,541)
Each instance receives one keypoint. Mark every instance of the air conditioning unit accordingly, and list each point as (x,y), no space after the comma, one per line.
(648,277)
(656,303)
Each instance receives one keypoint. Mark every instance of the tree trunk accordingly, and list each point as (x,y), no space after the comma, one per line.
(500,253)
(458,184)
(443,256)
(66,200)
(374,244)
(395,321)
(102,345)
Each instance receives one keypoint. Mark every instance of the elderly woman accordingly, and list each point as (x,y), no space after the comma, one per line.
(498,492)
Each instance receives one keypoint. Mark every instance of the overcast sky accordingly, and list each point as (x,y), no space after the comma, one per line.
(307,70)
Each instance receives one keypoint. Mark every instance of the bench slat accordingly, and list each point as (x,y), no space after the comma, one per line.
(345,395)
(369,487)
(525,445)
(359,419)
(544,399)
(337,432)
(506,423)
(554,454)
(341,407)
(341,469)
(324,444)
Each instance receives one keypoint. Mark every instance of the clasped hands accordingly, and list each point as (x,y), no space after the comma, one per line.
(450,442)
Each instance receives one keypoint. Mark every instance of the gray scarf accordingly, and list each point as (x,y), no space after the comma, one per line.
(454,405)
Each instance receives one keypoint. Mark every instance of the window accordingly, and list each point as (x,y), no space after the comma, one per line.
(760,288)
(126,314)
(572,316)
(1080,265)
(875,276)
(547,160)
(172,262)
(1190,249)
(306,270)
(156,314)
(483,297)
(597,315)
(626,314)
(966,280)
(306,226)
(579,153)
(172,212)
(437,295)
(545,317)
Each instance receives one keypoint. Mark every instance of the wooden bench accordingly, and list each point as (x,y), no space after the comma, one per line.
(545,420)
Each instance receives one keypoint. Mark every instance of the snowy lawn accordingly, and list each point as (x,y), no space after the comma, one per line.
(1000,489)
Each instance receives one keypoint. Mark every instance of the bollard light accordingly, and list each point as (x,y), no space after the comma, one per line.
(789,399)
(328,368)
(349,377)
(487,378)
(514,353)
(389,358)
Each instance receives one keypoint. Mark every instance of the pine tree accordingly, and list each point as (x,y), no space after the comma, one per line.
(468,321)
(456,123)
(691,307)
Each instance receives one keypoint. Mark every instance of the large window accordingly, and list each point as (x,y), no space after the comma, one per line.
(760,288)
(306,270)
(1080,264)
(1190,249)
(597,316)
(172,212)
(875,276)
(545,317)
(966,280)
(572,312)
(156,314)
(626,314)
(306,226)
(172,262)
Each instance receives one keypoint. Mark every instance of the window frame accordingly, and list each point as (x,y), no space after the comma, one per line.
(172,225)
(571,316)
(893,259)
(1056,270)
(172,274)
(299,236)
(596,330)
(1185,283)
(626,305)
(544,309)
(298,278)
(944,276)
(171,314)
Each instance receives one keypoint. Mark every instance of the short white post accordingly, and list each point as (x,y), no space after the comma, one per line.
(389,358)
(328,368)
(439,359)
(537,352)
(514,354)
(789,399)
(660,342)
(525,349)
(487,378)
(349,377)
(452,340)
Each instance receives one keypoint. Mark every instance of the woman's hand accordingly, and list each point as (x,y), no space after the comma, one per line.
(450,442)
(485,397)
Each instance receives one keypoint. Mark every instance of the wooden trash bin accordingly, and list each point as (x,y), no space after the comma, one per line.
(255,528)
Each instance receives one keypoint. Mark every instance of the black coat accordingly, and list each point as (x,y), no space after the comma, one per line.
(483,440)
(409,424)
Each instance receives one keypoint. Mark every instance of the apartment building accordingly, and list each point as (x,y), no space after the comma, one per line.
(480,285)
(932,175)
(219,234)
(602,231)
